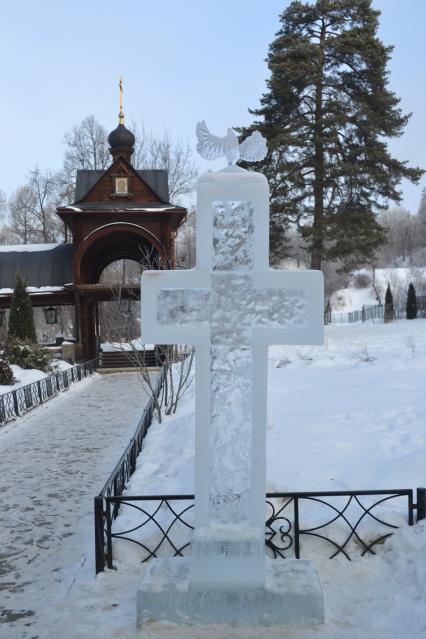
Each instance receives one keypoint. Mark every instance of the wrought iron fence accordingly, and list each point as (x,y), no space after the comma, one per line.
(400,310)
(19,401)
(167,520)
(125,467)
(343,521)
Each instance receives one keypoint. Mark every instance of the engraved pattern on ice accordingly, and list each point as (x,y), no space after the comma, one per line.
(232,296)
(233,307)
(233,229)
(230,434)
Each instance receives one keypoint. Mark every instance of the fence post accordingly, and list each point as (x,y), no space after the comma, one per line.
(421,503)
(99,534)
(15,403)
(108,534)
(40,396)
(296,528)
(363,314)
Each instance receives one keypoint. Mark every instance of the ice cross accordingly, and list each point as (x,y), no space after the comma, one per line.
(231,307)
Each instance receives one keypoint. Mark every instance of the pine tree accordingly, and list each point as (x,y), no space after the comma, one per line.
(389,309)
(326,115)
(411,302)
(21,319)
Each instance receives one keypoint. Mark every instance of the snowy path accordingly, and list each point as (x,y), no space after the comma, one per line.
(52,463)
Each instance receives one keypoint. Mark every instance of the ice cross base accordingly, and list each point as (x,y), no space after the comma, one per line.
(291,595)
(231,307)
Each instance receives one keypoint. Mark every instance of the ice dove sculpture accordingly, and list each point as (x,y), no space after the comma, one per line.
(210,147)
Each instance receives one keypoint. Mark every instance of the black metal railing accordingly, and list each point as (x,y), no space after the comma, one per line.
(365,313)
(345,521)
(116,482)
(369,312)
(20,400)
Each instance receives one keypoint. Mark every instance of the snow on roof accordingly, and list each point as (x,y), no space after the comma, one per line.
(26,248)
(152,208)
(148,209)
(34,289)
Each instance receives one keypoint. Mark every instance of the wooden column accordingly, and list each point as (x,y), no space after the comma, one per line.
(87,339)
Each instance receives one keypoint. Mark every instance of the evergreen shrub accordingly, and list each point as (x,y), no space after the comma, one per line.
(21,318)
(411,303)
(389,309)
(6,373)
(26,354)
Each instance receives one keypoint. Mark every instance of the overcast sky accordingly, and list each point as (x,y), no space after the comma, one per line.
(180,61)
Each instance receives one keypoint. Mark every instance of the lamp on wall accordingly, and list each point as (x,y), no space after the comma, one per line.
(50,314)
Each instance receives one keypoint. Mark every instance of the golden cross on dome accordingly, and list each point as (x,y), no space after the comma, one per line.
(121,114)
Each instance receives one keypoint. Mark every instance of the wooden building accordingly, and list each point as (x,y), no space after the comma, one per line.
(119,213)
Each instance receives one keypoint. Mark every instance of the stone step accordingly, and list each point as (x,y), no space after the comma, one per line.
(120,359)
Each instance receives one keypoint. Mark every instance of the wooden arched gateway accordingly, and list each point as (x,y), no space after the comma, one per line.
(124,214)
(119,213)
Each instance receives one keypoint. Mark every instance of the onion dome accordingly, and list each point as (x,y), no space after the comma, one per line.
(121,140)
(121,137)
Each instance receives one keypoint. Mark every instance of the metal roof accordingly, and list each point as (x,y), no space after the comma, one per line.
(156,179)
(52,267)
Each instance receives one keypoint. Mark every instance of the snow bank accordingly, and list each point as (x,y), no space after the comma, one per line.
(28,376)
(348,414)
(23,377)
(353,298)
(358,401)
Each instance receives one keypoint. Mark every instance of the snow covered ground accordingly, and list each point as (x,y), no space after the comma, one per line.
(52,463)
(346,415)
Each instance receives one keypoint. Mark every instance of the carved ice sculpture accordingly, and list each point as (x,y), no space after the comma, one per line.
(211,147)
(231,307)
